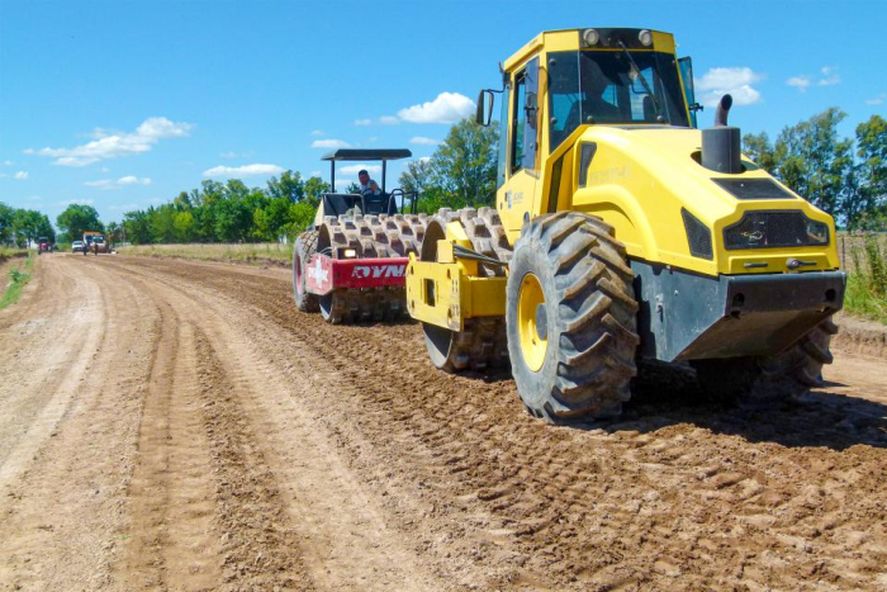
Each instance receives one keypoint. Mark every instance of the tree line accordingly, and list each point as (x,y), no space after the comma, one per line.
(846,177)
(461,172)
(19,226)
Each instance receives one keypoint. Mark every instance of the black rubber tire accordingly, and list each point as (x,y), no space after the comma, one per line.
(590,312)
(481,344)
(783,376)
(302,251)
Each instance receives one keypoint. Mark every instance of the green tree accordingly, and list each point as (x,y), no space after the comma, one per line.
(29,225)
(815,162)
(314,188)
(417,176)
(183,226)
(6,216)
(759,148)
(77,218)
(137,227)
(289,186)
(464,165)
(871,143)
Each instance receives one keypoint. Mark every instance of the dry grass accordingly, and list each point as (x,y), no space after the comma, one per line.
(256,253)
(7,252)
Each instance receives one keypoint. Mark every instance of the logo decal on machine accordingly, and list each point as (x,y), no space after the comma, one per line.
(362,272)
(318,273)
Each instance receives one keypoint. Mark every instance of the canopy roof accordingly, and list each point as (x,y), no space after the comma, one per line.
(368,154)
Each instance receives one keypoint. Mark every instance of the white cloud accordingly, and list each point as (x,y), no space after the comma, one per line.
(318,132)
(877,100)
(424,159)
(112,145)
(447,107)
(736,81)
(799,82)
(71,202)
(389,120)
(353,169)
(118,183)
(363,122)
(133,180)
(229,155)
(20,175)
(829,76)
(246,170)
(423,141)
(330,143)
(314,174)
(8,163)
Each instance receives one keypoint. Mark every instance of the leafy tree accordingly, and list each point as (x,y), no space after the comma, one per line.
(464,165)
(417,176)
(270,220)
(29,225)
(871,142)
(759,148)
(137,227)
(183,226)
(814,161)
(77,218)
(289,186)
(314,188)
(6,215)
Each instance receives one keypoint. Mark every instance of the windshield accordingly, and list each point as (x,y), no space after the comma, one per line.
(604,87)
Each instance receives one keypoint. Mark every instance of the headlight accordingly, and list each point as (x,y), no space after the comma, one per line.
(590,36)
(349,253)
(759,230)
(698,236)
(645,37)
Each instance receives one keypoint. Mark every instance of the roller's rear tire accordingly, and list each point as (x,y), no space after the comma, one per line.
(302,251)
(783,376)
(571,317)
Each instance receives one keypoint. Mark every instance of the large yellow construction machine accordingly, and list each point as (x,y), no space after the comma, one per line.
(622,233)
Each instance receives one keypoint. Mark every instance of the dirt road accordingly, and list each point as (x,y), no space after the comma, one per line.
(167,425)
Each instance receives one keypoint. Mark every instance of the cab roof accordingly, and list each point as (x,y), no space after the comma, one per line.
(368,154)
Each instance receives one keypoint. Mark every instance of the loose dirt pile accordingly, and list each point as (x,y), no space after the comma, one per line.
(185,428)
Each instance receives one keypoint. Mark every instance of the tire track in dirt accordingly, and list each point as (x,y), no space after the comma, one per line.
(171,506)
(344,541)
(64,508)
(786,495)
(28,420)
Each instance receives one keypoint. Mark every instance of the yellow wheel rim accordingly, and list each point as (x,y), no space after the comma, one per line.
(531,322)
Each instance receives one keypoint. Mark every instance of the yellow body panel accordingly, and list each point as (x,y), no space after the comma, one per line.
(445,294)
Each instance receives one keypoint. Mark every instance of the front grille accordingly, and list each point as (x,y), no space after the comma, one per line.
(758,230)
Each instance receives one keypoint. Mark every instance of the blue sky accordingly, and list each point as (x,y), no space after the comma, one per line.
(124,104)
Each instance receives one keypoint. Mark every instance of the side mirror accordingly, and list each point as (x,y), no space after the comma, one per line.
(484,113)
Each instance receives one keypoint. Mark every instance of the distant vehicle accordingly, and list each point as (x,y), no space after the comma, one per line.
(44,245)
(94,242)
(77,246)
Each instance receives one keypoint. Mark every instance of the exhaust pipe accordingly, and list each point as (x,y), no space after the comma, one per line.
(723,109)
(721,151)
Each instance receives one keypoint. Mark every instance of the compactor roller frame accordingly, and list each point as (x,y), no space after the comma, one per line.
(482,342)
(374,249)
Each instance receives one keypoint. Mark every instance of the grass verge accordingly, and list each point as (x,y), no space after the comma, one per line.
(867,285)
(255,253)
(18,278)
